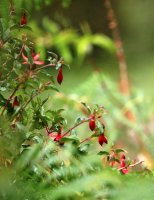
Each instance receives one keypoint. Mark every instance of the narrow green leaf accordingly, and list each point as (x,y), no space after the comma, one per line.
(103,153)
(120,151)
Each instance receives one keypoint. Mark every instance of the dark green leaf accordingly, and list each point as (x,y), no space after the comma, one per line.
(71,138)
(103,153)
(119,151)
(114,159)
(87,107)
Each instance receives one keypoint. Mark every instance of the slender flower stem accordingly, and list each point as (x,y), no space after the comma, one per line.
(137,163)
(21,50)
(75,126)
(45,66)
(132,165)
(86,139)
(9,99)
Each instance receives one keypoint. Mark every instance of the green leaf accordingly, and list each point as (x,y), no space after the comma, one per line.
(66,65)
(3,89)
(119,151)
(44,101)
(103,153)
(87,107)
(26,27)
(84,148)
(114,159)
(60,110)
(71,138)
(79,119)
(52,87)
(58,65)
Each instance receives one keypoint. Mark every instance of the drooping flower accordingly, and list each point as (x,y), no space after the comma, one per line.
(102,139)
(35,58)
(124,169)
(92,124)
(60,75)
(15,102)
(56,136)
(23,20)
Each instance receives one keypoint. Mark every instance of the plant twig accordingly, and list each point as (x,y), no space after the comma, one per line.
(86,139)
(132,165)
(75,126)
(45,66)
(9,99)
(113,25)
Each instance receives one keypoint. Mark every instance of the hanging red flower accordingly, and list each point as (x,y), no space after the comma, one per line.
(92,124)
(60,75)
(23,20)
(15,102)
(124,169)
(102,139)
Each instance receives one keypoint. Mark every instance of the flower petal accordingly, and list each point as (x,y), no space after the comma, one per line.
(52,135)
(25,63)
(24,57)
(124,171)
(36,57)
(39,62)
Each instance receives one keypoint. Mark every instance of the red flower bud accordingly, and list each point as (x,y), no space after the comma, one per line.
(23,20)
(60,76)
(15,102)
(92,124)
(102,139)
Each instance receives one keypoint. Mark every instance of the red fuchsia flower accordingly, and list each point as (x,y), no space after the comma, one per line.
(15,102)
(102,139)
(92,124)
(55,136)
(23,20)
(124,169)
(60,75)
(35,59)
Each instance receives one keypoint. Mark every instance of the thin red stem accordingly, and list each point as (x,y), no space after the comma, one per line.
(132,165)
(86,139)
(9,99)
(75,126)
(37,69)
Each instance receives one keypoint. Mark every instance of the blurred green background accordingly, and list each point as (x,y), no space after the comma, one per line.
(84,17)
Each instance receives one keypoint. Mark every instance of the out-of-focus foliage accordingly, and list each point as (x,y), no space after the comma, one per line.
(68,42)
